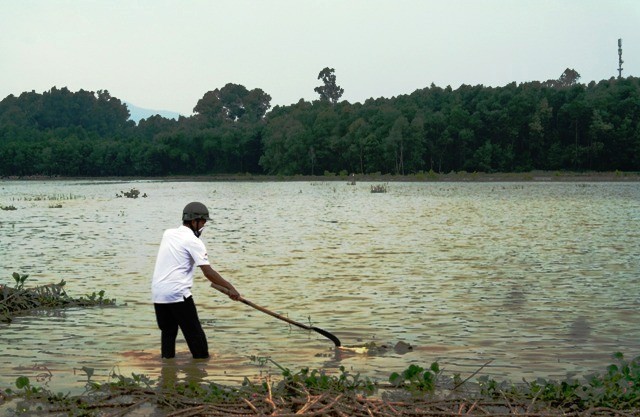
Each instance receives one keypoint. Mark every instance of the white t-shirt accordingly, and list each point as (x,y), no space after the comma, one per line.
(179,254)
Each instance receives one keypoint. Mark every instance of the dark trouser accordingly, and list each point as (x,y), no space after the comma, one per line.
(184,315)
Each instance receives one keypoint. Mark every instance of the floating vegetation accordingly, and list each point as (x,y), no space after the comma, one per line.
(416,391)
(379,188)
(53,197)
(133,193)
(19,300)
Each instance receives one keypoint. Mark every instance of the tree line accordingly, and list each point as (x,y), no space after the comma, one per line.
(541,125)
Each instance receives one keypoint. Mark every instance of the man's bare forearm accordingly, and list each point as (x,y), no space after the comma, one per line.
(215,278)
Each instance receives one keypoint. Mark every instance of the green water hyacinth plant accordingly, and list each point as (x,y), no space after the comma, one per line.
(19,279)
(416,379)
(318,381)
(23,383)
(617,388)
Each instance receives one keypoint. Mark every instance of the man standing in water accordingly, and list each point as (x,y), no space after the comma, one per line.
(181,250)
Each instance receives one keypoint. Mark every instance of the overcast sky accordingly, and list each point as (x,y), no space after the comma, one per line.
(166,54)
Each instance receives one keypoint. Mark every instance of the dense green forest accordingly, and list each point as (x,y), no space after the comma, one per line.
(549,125)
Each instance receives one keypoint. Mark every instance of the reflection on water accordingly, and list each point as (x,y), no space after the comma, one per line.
(540,278)
(172,371)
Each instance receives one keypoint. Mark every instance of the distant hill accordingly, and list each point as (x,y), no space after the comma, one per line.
(139,113)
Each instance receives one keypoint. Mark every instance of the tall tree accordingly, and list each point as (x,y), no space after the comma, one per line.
(569,78)
(233,102)
(329,91)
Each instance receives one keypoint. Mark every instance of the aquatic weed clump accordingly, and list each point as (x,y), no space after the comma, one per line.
(379,188)
(616,389)
(19,299)
(132,193)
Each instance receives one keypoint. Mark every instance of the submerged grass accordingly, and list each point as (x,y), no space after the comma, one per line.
(54,198)
(51,197)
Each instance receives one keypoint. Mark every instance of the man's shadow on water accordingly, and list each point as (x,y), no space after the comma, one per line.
(189,371)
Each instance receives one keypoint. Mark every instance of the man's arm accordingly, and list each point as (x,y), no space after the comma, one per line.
(213,276)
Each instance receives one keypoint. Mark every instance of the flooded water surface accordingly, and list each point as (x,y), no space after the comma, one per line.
(541,279)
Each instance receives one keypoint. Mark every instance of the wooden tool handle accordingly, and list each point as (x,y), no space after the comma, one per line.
(260,308)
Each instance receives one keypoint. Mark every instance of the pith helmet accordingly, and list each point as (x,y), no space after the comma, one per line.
(195,211)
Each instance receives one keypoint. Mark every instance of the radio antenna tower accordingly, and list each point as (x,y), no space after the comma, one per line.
(620,61)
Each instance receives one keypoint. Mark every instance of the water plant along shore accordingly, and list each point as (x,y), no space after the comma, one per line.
(416,391)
